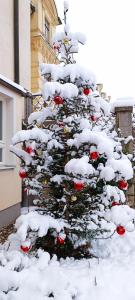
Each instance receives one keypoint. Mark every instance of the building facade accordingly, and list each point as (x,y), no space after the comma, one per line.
(26,30)
(44,19)
(15,72)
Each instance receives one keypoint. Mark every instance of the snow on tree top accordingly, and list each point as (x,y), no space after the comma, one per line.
(71,71)
(73,37)
(66,6)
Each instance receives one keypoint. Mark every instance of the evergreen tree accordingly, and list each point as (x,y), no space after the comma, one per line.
(72,159)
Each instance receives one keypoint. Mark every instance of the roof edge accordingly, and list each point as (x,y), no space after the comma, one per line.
(13,86)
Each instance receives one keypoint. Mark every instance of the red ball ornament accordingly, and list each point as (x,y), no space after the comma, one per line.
(61,124)
(94,155)
(114,203)
(25,249)
(94,118)
(56,47)
(122,184)
(60,240)
(78,186)
(86,91)
(29,150)
(120,230)
(58,100)
(22,173)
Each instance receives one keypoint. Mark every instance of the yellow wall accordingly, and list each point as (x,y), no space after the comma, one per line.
(41,50)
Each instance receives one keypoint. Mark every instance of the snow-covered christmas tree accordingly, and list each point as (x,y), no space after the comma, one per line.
(72,161)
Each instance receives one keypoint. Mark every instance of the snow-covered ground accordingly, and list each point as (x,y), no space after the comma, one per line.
(109,277)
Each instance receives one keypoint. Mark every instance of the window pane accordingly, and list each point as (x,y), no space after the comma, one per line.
(0,120)
(0,155)
(47,25)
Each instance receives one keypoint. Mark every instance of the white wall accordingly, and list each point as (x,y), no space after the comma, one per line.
(6,39)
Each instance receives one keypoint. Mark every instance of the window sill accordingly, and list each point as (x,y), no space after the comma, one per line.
(4,167)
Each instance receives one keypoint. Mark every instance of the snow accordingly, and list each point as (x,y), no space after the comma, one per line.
(54,144)
(41,116)
(80,166)
(122,102)
(73,72)
(67,90)
(57,178)
(104,144)
(121,215)
(66,5)
(107,173)
(77,36)
(109,276)
(23,154)
(115,193)
(14,84)
(34,134)
(123,166)
(38,223)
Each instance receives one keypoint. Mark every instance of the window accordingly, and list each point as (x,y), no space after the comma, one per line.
(47,30)
(2,144)
(6,130)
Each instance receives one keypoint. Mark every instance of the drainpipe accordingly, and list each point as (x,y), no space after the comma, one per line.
(16,41)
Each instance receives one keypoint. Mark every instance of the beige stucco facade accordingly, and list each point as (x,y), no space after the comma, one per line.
(10,183)
(34,49)
(12,100)
(7,41)
(6,38)
(41,46)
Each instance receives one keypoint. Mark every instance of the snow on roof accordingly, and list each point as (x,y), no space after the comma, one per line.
(4,80)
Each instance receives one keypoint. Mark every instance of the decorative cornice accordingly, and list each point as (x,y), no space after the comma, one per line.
(51,7)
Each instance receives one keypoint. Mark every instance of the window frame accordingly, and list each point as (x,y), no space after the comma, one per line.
(8,130)
(2,141)
(47,30)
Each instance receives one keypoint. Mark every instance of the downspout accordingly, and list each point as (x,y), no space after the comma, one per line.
(16,41)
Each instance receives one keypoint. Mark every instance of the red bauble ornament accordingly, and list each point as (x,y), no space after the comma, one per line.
(58,100)
(114,203)
(25,249)
(60,240)
(56,47)
(87,91)
(120,230)
(94,118)
(29,150)
(94,155)
(22,173)
(61,124)
(78,186)
(122,184)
